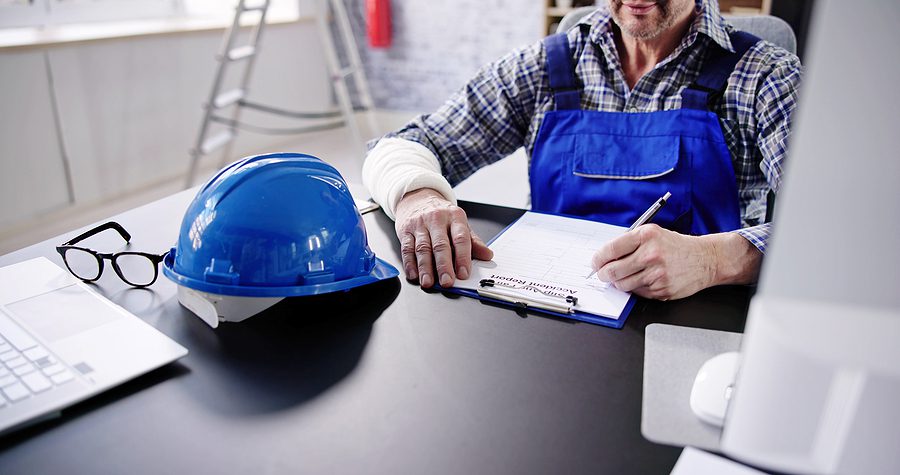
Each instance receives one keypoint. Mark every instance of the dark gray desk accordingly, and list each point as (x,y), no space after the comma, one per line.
(384,379)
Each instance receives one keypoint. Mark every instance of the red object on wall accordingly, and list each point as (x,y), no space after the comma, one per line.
(378,18)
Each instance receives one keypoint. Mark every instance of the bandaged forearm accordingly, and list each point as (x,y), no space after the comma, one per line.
(395,166)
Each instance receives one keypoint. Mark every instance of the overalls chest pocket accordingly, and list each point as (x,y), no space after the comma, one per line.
(622,175)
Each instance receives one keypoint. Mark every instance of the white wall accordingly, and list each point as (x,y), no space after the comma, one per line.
(30,156)
(130,110)
(439,45)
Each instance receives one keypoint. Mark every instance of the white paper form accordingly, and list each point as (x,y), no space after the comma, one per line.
(547,258)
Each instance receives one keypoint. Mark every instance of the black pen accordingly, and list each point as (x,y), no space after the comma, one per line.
(645,218)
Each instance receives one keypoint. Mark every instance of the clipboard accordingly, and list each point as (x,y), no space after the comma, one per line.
(540,264)
(365,206)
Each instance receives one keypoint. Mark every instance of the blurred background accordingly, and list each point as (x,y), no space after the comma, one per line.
(103,99)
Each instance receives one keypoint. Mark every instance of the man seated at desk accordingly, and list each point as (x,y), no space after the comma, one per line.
(641,98)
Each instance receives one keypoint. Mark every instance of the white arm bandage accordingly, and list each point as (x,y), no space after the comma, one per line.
(395,166)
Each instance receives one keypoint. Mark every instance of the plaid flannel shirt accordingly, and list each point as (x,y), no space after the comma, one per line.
(502,107)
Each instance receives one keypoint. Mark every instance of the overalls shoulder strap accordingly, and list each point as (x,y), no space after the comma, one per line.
(714,76)
(563,84)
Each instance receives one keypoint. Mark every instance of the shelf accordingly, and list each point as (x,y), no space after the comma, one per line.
(558,12)
(553,14)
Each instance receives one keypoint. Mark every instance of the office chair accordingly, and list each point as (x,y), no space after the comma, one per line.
(770,28)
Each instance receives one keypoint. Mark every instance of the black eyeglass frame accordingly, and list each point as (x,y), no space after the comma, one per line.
(112,257)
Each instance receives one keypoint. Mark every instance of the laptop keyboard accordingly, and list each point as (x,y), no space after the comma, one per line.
(26,367)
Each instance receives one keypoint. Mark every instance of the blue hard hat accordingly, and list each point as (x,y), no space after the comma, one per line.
(274,225)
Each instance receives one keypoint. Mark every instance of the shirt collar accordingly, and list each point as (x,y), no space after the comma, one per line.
(708,22)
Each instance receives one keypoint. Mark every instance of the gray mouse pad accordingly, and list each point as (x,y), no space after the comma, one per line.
(672,357)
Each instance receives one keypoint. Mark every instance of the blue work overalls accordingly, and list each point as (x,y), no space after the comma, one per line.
(611,166)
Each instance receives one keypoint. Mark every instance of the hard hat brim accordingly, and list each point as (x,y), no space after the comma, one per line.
(381,271)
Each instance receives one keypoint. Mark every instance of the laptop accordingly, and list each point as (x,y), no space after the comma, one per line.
(61,342)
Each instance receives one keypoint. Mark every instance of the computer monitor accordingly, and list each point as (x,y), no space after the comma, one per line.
(818,384)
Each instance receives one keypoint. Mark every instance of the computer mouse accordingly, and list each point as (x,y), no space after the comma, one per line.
(713,386)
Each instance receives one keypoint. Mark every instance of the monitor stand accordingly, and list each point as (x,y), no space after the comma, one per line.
(673,356)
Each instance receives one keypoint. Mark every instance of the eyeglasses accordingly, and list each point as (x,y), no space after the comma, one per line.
(137,269)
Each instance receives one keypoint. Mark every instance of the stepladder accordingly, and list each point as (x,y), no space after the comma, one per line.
(222,112)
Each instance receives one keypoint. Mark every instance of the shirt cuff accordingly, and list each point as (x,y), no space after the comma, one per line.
(757,235)
(395,167)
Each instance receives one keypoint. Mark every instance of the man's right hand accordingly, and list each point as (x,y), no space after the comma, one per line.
(435,239)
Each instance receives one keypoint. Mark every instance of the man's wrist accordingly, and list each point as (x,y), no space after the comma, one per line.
(395,167)
(418,197)
(736,260)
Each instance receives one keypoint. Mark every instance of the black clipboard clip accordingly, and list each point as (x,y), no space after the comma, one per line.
(490,288)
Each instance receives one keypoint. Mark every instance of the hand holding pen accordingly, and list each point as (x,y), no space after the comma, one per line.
(644,218)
